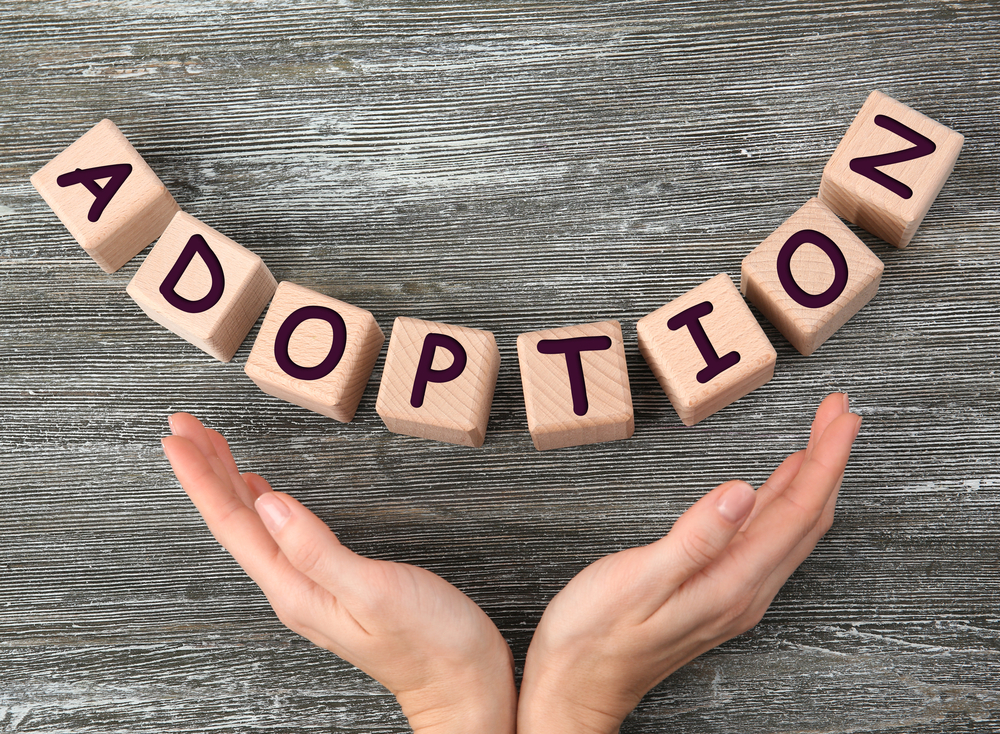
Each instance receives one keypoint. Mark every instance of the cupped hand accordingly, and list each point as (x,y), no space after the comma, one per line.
(629,620)
(423,639)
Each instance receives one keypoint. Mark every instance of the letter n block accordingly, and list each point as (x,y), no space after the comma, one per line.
(438,381)
(810,276)
(202,286)
(575,384)
(706,349)
(315,351)
(108,198)
(889,168)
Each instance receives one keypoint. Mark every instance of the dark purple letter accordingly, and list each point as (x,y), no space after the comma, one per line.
(195,246)
(715,365)
(574,364)
(332,359)
(833,252)
(426,373)
(102,194)
(868,165)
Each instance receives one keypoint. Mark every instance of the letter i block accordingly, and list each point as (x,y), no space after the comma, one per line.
(889,168)
(315,351)
(810,276)
(114,220)
(706,349)
(202,286)
(575,384)
(438,381)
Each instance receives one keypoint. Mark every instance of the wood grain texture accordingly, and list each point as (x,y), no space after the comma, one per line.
(516,168)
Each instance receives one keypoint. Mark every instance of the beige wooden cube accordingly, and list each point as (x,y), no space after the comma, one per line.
(106,195)
(706,349)
(438,381)
(315,351)
(202,286)
(889,168)
(575,384)
(810,276)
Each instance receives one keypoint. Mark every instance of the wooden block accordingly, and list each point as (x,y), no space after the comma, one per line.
(706,349)
(315,351)
(438,381)
(810,276)
(114,220)
(575,384)
(202,286)
(889,168)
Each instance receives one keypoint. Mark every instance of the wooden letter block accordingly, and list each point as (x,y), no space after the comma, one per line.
(315,351)
(889,168)
(706,349)
(438,381)
(575,384)
(202,286)
(810,276)
(106,195)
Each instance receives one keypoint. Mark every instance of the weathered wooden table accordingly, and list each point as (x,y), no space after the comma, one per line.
(512,168)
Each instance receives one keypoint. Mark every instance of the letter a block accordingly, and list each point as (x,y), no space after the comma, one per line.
(575,384)
(438,381)
(810,276)
(108,198)
(202,286)
(706,349)
(889,168)
(315,351)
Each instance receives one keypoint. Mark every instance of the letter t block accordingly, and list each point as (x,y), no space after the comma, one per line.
(706,349)
(438,381)
(575,384)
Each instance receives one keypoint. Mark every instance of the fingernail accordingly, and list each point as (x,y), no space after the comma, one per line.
(272,511)
(170,422)
(857,427)
(847,403)
(737,501)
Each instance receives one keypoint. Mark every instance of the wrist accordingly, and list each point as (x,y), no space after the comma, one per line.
(463,706)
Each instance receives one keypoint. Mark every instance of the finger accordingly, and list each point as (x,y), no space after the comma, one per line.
(257,485)
(225,456)
(187,426)
(698,537)
(832,407)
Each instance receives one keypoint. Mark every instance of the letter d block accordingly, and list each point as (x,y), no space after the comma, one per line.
(438,381)
(706,349)
(575,384)
(202,286)
(889,168)
(810,276)
(315,351)
(108,198)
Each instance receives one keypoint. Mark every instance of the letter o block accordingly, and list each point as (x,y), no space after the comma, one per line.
(810,276)
(706,349)
(575,383)
(202,286)
(438,381)
(888,169)
(315,351)
(108,198)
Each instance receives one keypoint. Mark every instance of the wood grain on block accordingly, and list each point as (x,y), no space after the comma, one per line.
(202,286)
(889,168)
(810,276)
(706,349)
(438,381)
(575,383)
(108,198)
(315,351)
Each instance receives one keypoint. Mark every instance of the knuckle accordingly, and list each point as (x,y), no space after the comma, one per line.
(697,548)
(306,556)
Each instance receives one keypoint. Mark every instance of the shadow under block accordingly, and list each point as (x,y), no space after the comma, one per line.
(202,286)
(438,381)
(810,276)
(315,351)
(889,168)
(706,349)
(108,198)
(575,384)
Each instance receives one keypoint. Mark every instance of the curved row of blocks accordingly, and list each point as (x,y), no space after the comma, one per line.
(705,348)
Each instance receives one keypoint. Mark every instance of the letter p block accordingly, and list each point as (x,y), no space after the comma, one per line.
(438,381)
